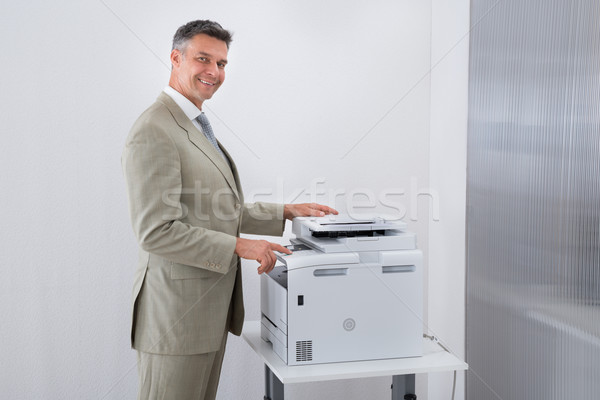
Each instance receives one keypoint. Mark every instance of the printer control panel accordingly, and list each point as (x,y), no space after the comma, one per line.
(297,247)
(305,256)
(294,248)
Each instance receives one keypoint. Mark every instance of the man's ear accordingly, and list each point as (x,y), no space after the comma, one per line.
(176,57)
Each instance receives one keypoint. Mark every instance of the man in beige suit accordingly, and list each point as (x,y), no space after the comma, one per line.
(187,211)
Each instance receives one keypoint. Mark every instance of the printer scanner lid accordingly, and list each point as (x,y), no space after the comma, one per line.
(342,233)
(347,223)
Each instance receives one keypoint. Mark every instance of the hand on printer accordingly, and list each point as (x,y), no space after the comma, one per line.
(261,251)
(291,211)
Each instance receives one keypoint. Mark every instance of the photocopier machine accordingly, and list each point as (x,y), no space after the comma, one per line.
(351,290)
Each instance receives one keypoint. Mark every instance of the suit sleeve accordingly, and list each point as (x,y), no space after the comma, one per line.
(152,169)
(263,219)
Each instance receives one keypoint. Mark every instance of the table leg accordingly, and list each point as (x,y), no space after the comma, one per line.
(403,387)
(273,386)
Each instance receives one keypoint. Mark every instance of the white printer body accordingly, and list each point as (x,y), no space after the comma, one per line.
(351,290)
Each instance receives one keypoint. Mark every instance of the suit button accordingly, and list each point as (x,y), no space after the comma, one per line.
(218,266)
(238,206)
(212,265)
(207,264)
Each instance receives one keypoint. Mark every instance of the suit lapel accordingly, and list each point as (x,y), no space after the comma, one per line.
(232,170)
(202,143)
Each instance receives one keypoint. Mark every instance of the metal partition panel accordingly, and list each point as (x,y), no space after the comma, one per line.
(533,217)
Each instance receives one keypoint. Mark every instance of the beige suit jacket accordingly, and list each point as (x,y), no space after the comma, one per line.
(187,209)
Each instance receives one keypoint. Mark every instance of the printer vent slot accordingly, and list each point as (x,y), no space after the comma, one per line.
(304,350)
(330,272)
(388,269)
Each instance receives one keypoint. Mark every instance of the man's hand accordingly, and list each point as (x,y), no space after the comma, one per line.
(261,251)
(291,211)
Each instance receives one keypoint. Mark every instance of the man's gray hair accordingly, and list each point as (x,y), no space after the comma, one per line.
(193,28)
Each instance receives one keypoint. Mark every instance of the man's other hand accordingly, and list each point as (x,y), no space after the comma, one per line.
(261,251)
(291,211)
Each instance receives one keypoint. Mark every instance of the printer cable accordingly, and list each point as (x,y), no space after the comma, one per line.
(436,340)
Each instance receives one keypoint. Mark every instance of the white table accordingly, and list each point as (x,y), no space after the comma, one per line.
(403,370)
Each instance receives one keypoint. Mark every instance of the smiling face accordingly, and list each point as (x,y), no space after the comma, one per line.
(199,69)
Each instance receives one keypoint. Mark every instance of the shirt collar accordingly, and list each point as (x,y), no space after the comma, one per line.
(188,108)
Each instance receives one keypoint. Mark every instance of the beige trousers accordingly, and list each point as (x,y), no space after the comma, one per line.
(190,377)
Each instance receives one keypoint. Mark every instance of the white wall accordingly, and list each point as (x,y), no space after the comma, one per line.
(448,160)
(316,91)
